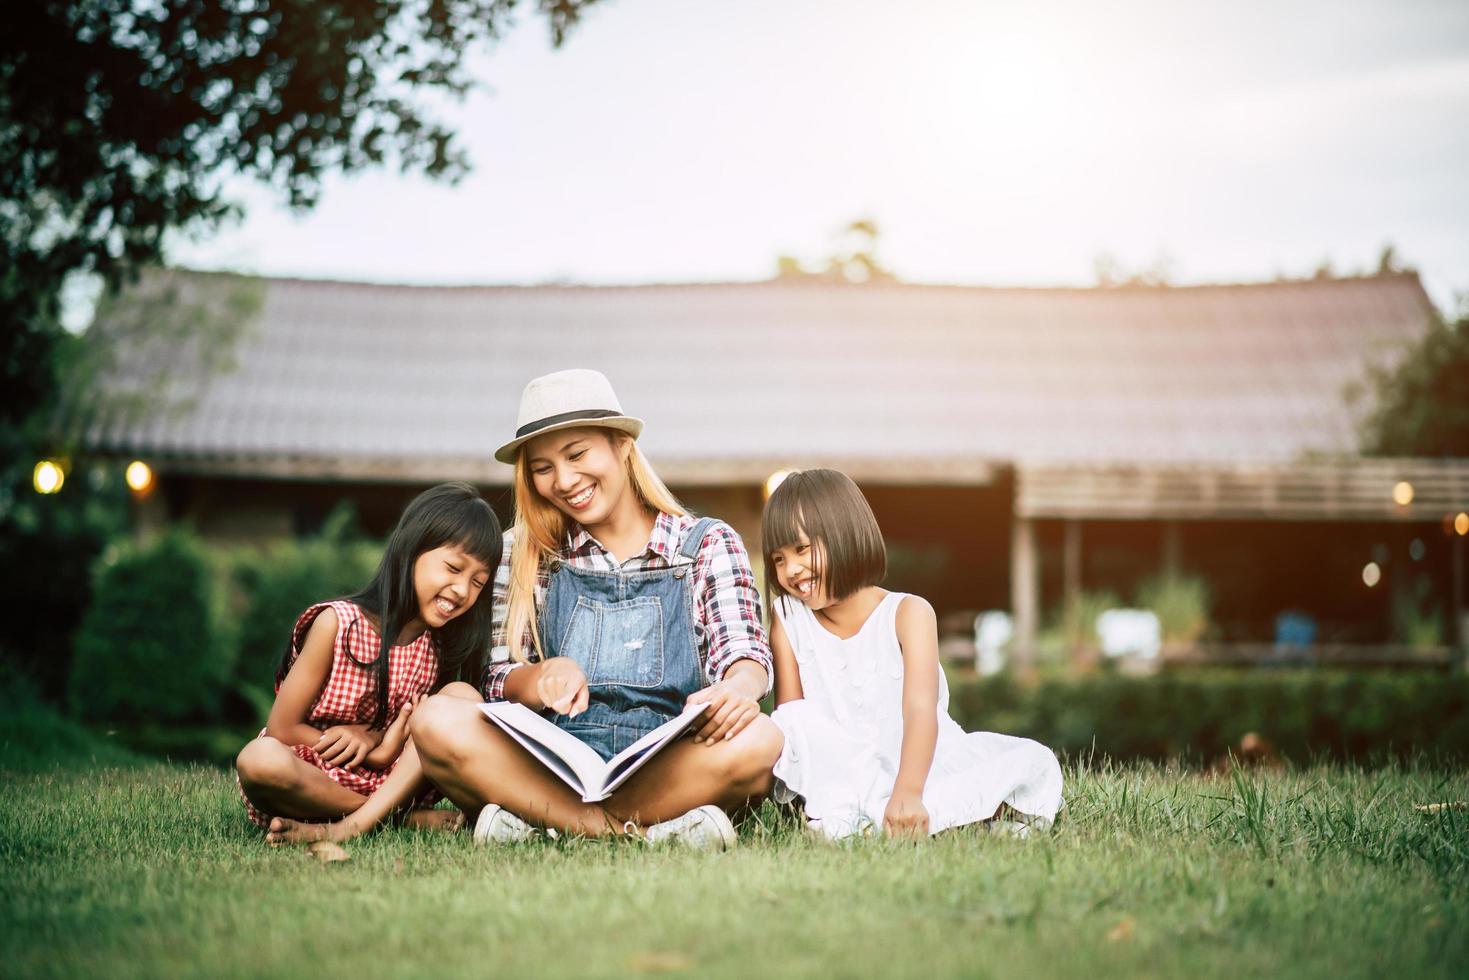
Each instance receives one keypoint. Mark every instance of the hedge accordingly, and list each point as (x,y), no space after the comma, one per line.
(1197,716)
(151,648)
(272,587)
(178,650)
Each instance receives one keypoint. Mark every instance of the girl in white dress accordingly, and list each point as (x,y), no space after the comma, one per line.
(859,695)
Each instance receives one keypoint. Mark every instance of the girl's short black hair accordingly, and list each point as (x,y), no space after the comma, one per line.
(448,514)
(845,540)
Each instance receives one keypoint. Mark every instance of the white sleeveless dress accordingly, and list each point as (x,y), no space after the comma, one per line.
(844,738)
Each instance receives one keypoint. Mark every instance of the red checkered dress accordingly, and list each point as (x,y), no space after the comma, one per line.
(350,694)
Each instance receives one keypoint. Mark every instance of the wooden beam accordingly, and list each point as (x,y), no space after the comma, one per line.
(710,472)
(1024,590)
(1071,563)
(1172,549)
(1351,489)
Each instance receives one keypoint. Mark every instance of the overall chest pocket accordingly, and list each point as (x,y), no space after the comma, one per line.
(617,644)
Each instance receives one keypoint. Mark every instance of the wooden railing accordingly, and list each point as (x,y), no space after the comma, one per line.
(1350,489)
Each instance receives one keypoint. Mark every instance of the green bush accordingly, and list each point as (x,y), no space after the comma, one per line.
(273,586)
(48,547)
(1416,619)
(1181,603)
(1069,634)
(1197,716)
(152,647)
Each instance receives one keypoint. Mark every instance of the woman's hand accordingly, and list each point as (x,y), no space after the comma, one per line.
(394,738)
(346,745)
(906,815)
(562,687)
(731,709)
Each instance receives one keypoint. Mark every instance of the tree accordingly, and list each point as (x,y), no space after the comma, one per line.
(1110,272)
(854,259)
(121,119)
(1419,406)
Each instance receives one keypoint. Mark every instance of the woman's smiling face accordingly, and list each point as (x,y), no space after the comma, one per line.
(582,472)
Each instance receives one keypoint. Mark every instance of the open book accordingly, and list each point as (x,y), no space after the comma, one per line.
(577,763)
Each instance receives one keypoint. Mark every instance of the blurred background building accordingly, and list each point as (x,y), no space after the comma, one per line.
(1047,452)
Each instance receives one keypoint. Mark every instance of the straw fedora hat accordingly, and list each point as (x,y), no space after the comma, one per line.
(567,400)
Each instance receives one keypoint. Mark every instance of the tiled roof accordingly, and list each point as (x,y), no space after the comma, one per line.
(356,375)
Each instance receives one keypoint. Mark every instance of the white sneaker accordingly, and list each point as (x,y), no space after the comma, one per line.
(704,828)
(1008,828)
(497,825)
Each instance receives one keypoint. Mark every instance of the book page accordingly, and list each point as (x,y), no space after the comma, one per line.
(631,759)
(577,763)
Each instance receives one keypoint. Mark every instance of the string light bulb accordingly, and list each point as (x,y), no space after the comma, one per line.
(139,476)
(47,477)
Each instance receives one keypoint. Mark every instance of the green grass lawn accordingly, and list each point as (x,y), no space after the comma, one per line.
(125,868)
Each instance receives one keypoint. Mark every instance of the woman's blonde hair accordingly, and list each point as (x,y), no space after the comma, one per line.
(540,533)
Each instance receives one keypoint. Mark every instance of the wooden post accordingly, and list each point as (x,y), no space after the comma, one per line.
(149,512)
(1024,590)
(1071,566)
(1461,619)
(1172,549)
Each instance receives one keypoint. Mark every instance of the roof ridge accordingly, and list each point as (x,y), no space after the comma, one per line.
(1409,276)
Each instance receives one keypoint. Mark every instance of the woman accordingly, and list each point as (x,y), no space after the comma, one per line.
(612,608)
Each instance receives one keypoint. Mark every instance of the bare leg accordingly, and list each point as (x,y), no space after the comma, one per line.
(277,780)
(434,819)
(730,774)
(474,763)
(403,785)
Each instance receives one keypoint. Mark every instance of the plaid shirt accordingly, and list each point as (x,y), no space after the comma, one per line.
(726,603)
(349,696)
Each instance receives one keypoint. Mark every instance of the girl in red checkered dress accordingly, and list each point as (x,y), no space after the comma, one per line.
(354,669)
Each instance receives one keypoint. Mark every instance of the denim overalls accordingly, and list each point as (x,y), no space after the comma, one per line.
(633,635)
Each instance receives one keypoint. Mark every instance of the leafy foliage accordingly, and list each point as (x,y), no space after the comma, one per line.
(1419,406)
(1358,716)
(277,584)
(854,259)
(120,120)
(152,648)
(1181,603)
(48,545)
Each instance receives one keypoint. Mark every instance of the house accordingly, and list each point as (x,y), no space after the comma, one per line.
(1018,445)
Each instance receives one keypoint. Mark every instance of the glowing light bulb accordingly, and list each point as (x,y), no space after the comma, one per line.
(774,480)
(1371,574)
(1402,494)
(1461,524)
(139,476)
(47,477)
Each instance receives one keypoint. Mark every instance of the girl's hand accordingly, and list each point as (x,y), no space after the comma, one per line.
(730,711)
(346,745)
(562,687)
(906,816)
(394,738)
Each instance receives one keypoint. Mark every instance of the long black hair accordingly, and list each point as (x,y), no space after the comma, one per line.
(449,514)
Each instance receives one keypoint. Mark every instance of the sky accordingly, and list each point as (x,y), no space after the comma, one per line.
(994,143)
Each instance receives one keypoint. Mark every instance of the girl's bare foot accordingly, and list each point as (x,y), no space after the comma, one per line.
(449,820)
(285,831)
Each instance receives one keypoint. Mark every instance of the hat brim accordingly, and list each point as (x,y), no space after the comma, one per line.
(623,423)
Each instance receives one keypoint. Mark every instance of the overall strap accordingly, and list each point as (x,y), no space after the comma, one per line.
(690,547)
